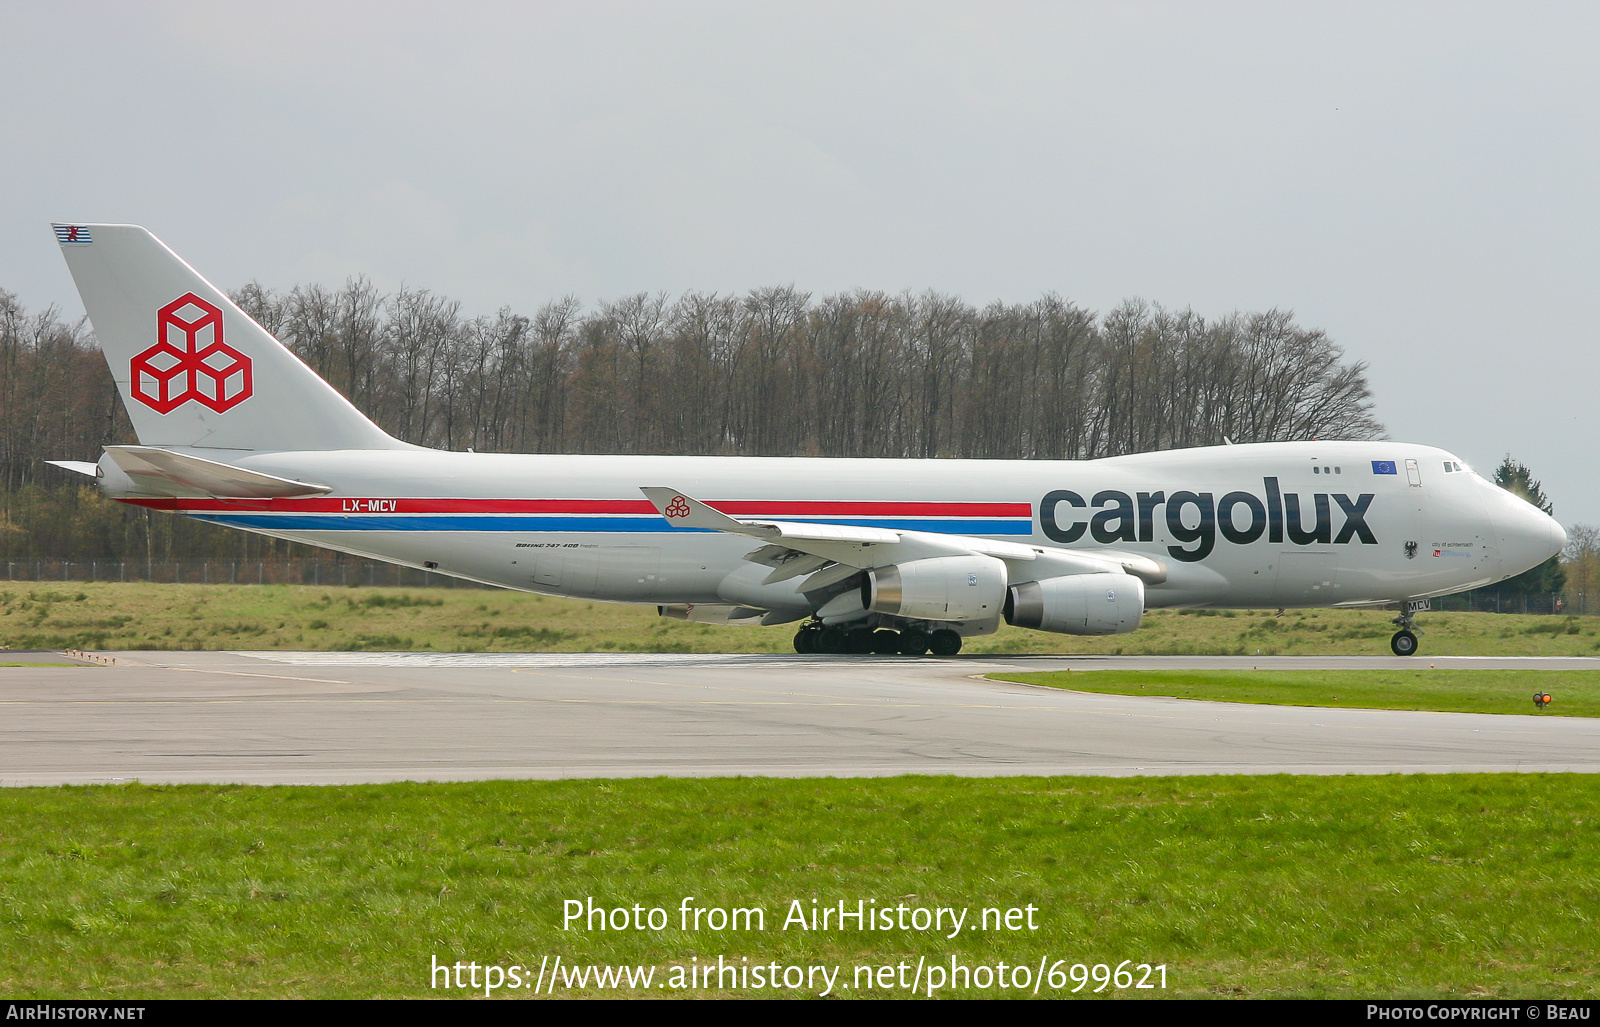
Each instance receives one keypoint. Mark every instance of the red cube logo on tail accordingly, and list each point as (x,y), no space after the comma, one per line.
(190,361)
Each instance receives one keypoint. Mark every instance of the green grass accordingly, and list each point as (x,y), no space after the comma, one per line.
(1572,693)
(110,615)
(1463,885)
(43,665)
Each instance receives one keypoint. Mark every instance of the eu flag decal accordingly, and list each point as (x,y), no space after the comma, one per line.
(1383,467)
(71,233)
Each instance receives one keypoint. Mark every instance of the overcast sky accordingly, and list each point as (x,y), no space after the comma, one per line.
(1419,180)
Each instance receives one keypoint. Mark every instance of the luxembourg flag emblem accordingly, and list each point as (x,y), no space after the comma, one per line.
(71,234)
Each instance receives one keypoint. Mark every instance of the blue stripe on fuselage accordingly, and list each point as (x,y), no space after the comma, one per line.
(481,522)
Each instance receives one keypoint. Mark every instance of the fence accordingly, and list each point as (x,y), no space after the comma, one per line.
(336,572)
(1573,604)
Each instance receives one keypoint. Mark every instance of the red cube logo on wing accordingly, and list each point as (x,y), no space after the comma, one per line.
(190,360)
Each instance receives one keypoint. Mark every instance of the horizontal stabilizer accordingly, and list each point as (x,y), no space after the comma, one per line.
(81,466)
(161,472)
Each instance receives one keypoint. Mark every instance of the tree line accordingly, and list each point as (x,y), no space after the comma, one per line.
(778,373)
(774,372)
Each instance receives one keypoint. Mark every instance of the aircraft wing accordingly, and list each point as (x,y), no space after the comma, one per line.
(1046,562)
(1151,572)
(832,552)
(847,545)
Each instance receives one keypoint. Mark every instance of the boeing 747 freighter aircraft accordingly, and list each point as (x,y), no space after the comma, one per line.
(873,555)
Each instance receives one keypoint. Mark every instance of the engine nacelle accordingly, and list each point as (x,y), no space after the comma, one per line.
(939,588)
(1078,604)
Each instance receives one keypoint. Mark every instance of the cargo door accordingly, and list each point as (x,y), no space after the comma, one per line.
(547,566)
(576,569)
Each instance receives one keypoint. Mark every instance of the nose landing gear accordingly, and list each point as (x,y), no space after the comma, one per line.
(1404,642)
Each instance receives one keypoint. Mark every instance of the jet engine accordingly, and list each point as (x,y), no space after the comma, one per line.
(969,587)
(1078,604)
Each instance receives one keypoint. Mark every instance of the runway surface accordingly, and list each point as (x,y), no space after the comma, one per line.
(324,718)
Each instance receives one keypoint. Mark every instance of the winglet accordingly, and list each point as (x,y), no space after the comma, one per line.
(848,544)
(682,511)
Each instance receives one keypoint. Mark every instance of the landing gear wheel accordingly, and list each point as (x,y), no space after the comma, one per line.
(914,642)
(944,642)
(859,640)
(1404,642)
(885,641)
(808,640)
(833,640)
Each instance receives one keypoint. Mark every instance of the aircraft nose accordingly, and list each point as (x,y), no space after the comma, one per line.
(1528,535)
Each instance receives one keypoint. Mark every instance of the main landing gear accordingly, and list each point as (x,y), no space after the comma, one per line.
(815,638)
(1404,642)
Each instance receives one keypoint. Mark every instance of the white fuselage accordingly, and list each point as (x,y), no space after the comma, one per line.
(1266,525)
(898,555)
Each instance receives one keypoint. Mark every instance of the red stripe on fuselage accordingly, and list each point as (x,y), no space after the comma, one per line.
(365,504)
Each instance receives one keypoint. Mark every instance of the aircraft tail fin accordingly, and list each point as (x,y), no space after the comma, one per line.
(193,369)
